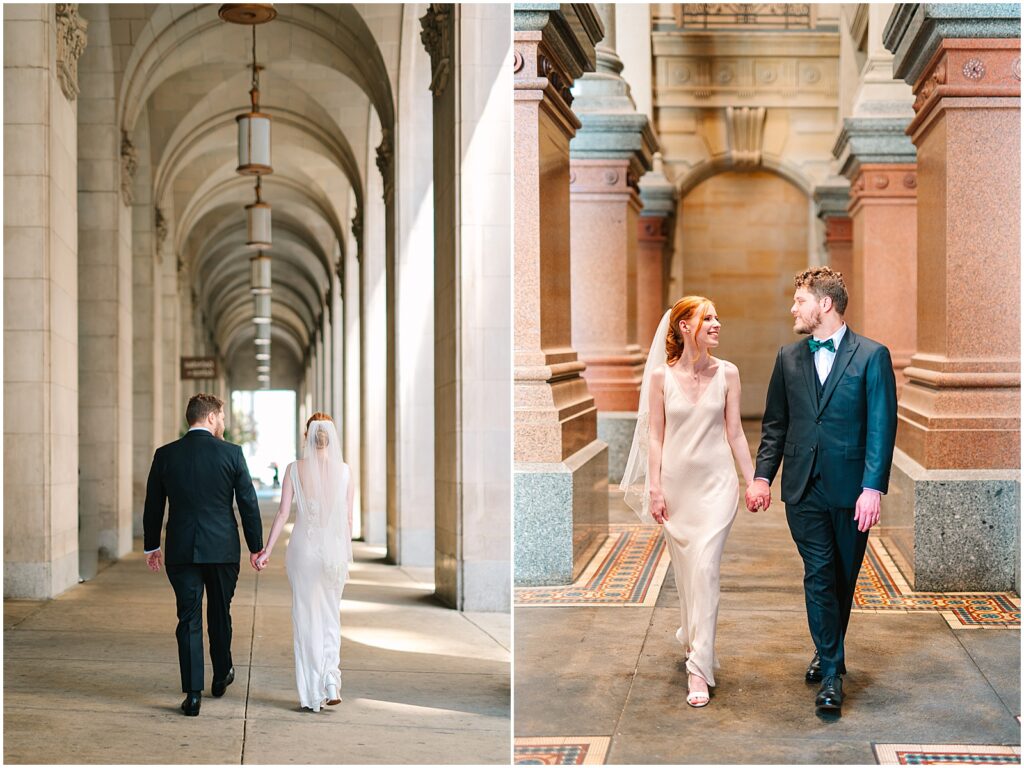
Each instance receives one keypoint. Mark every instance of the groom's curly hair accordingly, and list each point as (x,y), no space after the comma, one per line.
(822,282)
(200,406)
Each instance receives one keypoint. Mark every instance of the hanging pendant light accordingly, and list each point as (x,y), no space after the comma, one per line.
(263,338)
(262,355)
(258,220)
(254,125)
(261,316)
(260,273)
(263,367)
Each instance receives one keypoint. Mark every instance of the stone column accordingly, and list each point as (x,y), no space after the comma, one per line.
(105,313)
(880,162)
(956,479)
(40,305)
(609,154)
(654,251)
(560,467)
(832,202)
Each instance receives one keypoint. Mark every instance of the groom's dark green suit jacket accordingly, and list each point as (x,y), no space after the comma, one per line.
(846,433)
(199,474)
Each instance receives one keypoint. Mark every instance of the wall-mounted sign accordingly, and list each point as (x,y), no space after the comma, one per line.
(198,368)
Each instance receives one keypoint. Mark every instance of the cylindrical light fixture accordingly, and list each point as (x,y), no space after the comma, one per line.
(258,221)
(254,127)
(260,273)
(262,355)
(263,336)
(261,314)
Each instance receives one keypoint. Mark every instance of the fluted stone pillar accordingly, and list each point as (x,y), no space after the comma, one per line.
(880,163)
(560,467)
(956,479)
(654,251)
(611,151)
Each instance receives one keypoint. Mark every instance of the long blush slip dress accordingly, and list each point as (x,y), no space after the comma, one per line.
(698,479)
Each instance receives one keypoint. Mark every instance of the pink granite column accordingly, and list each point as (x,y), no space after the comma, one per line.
(961,404)
(883,213)
(605,208)
(651,237)
(839,244)
(561,468)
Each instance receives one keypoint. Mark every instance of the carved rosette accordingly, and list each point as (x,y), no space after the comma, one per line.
(968,68)
(129,162)
(385,162)
(437,39)
(559,82)
(652,228)
(889,181)
(71,42)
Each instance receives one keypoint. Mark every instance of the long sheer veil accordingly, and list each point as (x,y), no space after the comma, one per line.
(635,481)
(323,491)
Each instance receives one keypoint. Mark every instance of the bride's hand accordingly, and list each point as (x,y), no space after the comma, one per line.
(659,511)
(261,560)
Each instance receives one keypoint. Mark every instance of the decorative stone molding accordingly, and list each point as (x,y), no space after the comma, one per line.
(436,37)
(385,162)
(884,181)
(160,228)
(129,163)
(357,231)
(71,42)
(872,140)
(752,16)
(652,229)
(745,133)
(964,68)
(832,199)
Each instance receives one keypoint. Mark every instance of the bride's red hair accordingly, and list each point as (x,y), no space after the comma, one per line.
(687,308)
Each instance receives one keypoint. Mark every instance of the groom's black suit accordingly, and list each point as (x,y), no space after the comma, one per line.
(199,474)
(834,440)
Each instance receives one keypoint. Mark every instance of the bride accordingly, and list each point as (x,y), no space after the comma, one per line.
(319,551)
(680,470)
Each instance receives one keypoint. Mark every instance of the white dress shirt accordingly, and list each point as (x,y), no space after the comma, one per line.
(823,359)
(190,429)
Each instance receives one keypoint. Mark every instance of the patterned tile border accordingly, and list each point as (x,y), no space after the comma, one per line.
(627,571)
(557,750)
(882,588)
(946,754)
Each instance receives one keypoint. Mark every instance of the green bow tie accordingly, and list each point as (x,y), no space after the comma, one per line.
(816,345)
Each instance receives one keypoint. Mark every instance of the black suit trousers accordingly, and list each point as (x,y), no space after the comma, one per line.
(832,550)
(189,581)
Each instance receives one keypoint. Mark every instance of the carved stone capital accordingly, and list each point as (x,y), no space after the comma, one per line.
(71,42)
(129,163)
(160,229)
(436,37)
(838,229)
(898,180)
(357,230)
(385,162)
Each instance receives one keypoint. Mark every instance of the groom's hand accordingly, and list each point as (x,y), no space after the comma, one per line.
(154,561)
(869,509)
(253,557)
(759,495)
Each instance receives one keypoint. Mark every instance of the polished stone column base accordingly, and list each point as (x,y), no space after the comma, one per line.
(958,530)
(616,429)
(561,516)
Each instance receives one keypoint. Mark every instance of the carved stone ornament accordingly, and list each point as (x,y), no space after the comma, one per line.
(160,226)
(558,82)
(357,230)
(71,41)
(385,159)
(974,69)
(437,39)
(1016,67)
(931,85)
(129,162)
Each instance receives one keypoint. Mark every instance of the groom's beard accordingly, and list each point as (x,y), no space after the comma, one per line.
(807,327)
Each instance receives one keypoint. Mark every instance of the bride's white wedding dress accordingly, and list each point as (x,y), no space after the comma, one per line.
(319,551)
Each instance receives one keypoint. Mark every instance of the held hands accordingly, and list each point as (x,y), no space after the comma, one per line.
(259,560)
(869,509)
(154,561)
(659,511)
(758,496)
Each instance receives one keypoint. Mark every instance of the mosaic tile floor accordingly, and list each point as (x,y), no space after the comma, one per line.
(583,750)
(946,754)
(882,588)
(628,570)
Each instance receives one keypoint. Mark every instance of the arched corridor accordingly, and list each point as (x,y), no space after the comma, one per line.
(135,271)
(421,683)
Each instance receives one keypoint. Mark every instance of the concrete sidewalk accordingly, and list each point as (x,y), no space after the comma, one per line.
(92,676)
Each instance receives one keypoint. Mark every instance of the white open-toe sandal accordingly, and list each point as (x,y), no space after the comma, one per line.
(697,699)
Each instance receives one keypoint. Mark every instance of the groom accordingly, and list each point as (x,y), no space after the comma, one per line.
(831,412)
(199,474)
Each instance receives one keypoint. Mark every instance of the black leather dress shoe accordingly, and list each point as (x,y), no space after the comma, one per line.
(830,695)
(190,706)
(219,686)
(814,670)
